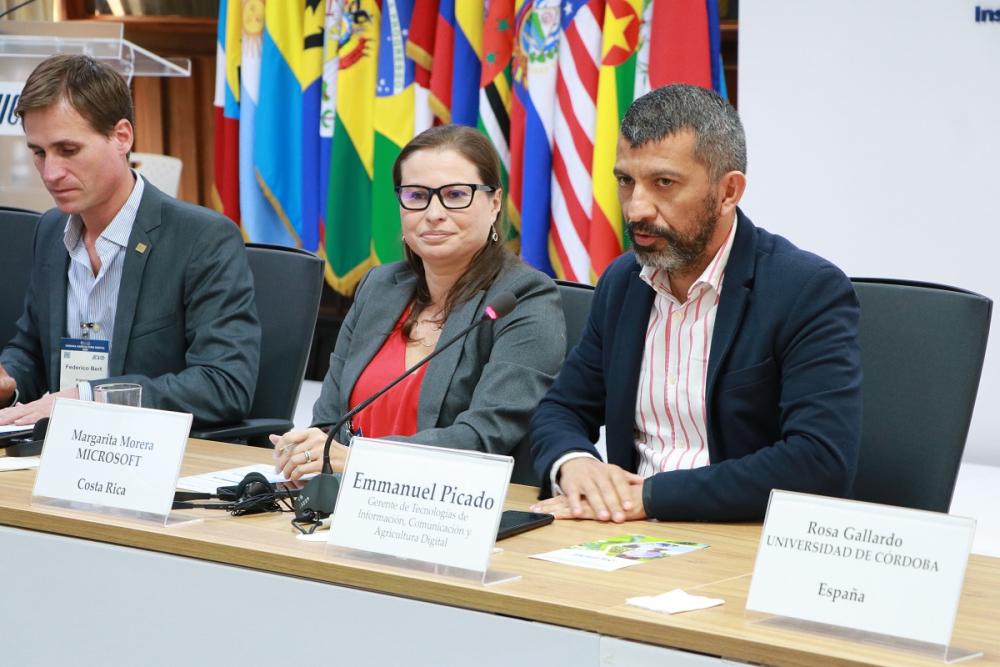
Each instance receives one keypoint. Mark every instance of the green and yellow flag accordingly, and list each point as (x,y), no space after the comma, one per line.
(347,230)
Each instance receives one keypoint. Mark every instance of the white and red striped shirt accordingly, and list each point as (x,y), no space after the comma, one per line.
(670,412)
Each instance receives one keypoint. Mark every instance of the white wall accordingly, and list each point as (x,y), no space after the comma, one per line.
(874,140)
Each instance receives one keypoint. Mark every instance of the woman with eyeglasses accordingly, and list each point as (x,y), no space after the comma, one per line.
(479,393)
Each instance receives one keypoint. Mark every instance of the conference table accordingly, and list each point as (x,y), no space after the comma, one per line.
(89,589)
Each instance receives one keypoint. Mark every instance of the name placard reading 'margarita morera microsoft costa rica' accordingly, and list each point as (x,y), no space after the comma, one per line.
(875,568)
(98,455)
(429,504)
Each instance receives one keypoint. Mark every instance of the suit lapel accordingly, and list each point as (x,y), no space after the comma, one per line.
(58,265)
(383,311)
(140,246)
(441,369)
(627,363)
(733,301)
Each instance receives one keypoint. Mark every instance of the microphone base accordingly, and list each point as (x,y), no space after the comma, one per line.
(25,448)
(317,498)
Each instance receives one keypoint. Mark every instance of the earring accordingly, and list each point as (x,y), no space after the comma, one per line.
(494,236)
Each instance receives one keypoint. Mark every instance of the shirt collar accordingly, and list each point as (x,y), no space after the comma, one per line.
(121,225)
(711,277)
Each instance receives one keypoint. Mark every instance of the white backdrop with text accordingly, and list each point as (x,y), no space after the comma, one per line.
(873,133)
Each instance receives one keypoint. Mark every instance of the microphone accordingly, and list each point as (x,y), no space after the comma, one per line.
(31,445)
(319,496)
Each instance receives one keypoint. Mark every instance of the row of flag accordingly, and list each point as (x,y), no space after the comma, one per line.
(315,99)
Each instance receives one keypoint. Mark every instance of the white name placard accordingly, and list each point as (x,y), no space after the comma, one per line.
(10,124)
(869,567)
(99,455)
(430,504)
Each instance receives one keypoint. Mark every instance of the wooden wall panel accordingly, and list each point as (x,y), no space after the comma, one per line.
(174,114)
(148,100)
(182,135)
(204,78)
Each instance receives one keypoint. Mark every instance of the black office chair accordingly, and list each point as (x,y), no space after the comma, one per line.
(16,209)
(288,283)
(576,298)
(922,349)
(17,229)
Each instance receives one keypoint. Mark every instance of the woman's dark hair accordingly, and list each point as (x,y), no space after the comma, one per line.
(487,264)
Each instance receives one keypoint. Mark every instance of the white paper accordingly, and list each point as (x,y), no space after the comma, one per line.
(321,535)
(673,602)
(8,463)
(595,560)
(210,481)
(14,428)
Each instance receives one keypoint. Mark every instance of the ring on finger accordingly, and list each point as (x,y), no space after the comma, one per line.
(309,455)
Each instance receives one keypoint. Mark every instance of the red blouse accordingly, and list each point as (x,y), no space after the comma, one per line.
(395,412)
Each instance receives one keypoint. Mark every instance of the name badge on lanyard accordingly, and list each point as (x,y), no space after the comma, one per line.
(82,359)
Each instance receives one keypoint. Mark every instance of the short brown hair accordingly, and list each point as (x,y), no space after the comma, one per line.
(487,264)
(97,92)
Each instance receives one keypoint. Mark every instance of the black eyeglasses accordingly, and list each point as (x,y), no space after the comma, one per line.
(452,196)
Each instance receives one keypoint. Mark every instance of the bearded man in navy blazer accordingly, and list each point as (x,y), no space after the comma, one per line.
(722,360)
(164,285)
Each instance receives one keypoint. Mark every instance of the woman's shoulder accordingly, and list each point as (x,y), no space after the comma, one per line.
(390,270)
(383,274)
(519,278)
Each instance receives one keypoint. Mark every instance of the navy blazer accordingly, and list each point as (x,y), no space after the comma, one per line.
(784,384)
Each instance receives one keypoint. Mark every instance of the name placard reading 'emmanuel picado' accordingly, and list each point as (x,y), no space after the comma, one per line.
(876,568)
(99,455)
(430,504)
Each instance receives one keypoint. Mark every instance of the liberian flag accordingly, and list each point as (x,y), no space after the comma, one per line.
(573,144)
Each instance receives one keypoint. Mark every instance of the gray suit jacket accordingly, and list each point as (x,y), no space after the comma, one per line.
(476,395)
(186,326)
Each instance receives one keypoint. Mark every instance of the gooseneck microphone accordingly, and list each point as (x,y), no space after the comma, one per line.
(15,8)
(31,445)
(318,497)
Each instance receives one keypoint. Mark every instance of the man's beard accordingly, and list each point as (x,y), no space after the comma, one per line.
(681,253)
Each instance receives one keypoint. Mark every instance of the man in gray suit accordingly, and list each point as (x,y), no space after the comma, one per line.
(155,291)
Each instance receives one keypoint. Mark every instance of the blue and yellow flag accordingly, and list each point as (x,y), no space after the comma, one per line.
(468,51)
(286,138)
